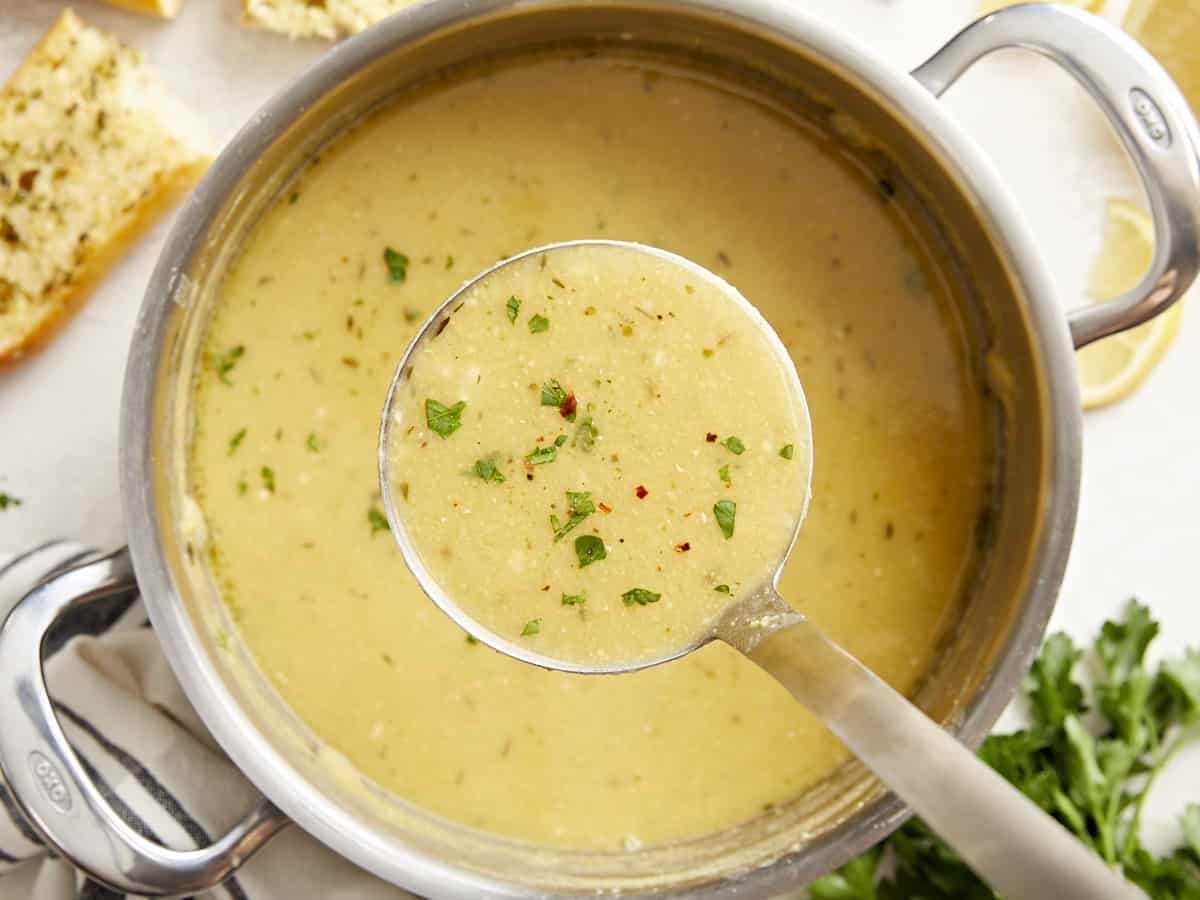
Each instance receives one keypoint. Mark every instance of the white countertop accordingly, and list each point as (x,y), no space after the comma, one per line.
(1140,513)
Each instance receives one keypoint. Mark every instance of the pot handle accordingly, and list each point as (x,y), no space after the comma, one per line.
(1151,117)
(49,784)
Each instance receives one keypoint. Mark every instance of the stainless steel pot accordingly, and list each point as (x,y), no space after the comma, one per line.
(1018,330)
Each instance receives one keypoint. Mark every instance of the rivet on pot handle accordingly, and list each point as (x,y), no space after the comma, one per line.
(48,782)
(1151,117)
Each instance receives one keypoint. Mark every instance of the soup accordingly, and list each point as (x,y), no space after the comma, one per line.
(592,483)
(306,333)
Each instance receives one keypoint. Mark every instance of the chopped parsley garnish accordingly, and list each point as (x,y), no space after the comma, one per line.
(486,469)
(724,473)
(573,599)
(311,443)
(224,362)
(472,640)
(589,548)
(734,445)
(538,324)
(377,520)
(236,441)
(397,264)
(560,440)
(443,419)
(553,393)
(411,314)
(512,307)
(787,451)
(542,455)
(242,487)
(7,500)
(268,478)
(533,626)
(585,435)
(449,263)
(1088,761)
(580,506)
(723,589)
(640,597)
(725,511)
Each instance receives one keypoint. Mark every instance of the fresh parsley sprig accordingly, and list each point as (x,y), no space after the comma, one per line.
(1092,775)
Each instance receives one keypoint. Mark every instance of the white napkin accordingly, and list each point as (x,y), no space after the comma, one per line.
(132,726)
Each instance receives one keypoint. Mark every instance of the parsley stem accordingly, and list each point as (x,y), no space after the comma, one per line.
(1135,824)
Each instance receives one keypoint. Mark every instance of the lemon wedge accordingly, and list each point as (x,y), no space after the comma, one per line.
(1111,368)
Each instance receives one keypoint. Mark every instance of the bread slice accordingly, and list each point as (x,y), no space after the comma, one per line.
(91,147)
(319,18)
(164,9)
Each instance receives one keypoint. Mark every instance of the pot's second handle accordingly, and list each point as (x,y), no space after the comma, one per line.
(51,787)
(1151,117)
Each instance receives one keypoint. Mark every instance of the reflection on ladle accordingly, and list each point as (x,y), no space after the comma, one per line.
(626,325)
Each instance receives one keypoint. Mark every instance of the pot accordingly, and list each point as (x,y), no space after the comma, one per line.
(1020,337)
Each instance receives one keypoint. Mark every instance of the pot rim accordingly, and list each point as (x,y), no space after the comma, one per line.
(252,752)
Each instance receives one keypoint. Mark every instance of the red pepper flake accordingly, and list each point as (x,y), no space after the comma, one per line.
(604,507)
(683,548)
(567,408)
(545,587)
(711,438)
(641,492)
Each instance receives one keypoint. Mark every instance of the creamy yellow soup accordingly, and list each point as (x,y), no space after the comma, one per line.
(597,451)
(303,342)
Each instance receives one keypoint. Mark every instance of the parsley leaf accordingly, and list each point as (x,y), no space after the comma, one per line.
(397,264)
(445,420)
(580,506)
(533,626)
(553,393)
(560,440)
(723,589)
(573,599)
(268,478)
(223,363)
(538,324)
(734,445)
(640,597)
(724,473)
(589,548)
(377,520)
(585,435)
(512,307)
(7,500)
(486,469)
(542,455)
(236,441)
(787,451)
(726,512)
(312,443)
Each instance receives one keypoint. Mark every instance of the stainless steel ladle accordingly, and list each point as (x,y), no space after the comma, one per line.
(1022,852)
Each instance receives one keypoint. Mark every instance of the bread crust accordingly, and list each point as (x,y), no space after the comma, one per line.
(38,321)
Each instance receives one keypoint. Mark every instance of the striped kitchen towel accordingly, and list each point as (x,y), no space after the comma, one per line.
(150,756)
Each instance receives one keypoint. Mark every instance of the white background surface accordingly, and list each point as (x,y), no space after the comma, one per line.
(1139,527)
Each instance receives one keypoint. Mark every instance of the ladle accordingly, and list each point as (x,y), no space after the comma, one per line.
(1021,851)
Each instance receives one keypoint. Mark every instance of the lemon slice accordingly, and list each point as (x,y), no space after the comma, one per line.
(1110,368)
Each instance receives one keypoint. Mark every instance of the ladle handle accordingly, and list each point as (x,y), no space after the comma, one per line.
(1150,116)
(1012,844)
